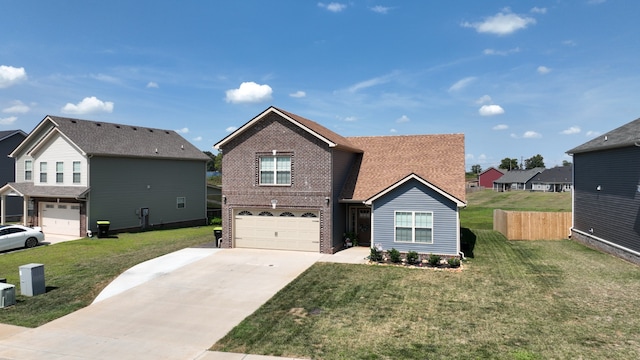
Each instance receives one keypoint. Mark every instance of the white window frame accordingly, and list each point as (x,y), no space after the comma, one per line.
(28,170)
(77,175)
(274,170)
(181,202)
(413,226)
(59,172)
(43,172)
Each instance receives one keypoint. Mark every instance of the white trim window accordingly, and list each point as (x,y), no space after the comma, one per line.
(181,202)
(28,170)
(59,172)
(275,170)
(76,172)
(43,172)
(413,226)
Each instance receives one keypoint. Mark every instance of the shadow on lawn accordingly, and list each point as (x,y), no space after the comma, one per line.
(467,242)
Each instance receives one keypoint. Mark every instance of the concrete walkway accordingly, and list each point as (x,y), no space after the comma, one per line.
(175,308)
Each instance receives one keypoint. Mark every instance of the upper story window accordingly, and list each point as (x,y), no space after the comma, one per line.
(275,170)
(76,172)
(28,170)
(181,202)
(59,172)
(414,226)
(43,172)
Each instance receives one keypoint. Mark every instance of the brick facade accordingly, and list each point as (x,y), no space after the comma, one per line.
(311,175)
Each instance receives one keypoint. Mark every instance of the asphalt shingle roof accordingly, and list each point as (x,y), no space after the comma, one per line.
(102,138)
(556,175)
(438,159)
(625,135)
(518,176)
(29,189)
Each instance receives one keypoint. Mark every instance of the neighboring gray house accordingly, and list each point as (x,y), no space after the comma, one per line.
(9,139)
(72,173)
(290,183)
(606,192)
(516,180)
(557,179)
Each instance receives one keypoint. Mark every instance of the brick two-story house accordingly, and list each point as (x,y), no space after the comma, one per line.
(290,183)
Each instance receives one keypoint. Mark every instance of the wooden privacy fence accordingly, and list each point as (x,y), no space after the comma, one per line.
(532,225)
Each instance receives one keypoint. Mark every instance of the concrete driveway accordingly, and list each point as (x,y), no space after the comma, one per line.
(173,315)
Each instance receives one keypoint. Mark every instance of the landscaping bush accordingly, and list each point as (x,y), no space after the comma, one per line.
(434,260)
(216,221)
(376,254)
(394,255)
(412,257)
(454,262)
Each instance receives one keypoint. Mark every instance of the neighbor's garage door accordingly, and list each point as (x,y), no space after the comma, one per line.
(277,230)
(60,218)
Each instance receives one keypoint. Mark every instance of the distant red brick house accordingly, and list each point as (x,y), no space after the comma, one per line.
(487,177)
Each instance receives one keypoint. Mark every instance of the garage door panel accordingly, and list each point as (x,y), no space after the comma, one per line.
(60,218)
(277,232)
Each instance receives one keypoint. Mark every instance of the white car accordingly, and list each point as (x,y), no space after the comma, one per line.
(17,236)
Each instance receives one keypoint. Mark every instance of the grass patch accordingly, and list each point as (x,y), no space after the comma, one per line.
(514,300)
(76,271)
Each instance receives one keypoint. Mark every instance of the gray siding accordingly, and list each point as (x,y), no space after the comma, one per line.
(13,205)
(342,163)
(121,186)
(613,212)
(414,196)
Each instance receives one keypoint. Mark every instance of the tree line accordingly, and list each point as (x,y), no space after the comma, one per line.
(536,161)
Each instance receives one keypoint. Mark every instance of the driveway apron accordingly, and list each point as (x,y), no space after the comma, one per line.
(177,315)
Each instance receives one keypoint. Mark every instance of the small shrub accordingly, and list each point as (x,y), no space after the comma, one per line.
(216,221)
(454,262)
(376,254)
(412,257)
(434,260)
(394,255)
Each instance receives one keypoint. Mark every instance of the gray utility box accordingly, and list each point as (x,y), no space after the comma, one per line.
(32,279)
(7,295)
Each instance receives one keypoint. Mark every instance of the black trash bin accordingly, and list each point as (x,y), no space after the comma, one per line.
(217,234)
(103,228)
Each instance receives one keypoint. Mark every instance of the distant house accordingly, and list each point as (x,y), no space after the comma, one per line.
(290,183)
(487,177)
(606,192)
(516,180)
(9,139)
(72,173)
(557,179)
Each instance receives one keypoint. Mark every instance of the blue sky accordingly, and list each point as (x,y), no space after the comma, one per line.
(518,78)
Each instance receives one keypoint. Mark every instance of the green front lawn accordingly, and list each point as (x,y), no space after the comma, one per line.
(76,271)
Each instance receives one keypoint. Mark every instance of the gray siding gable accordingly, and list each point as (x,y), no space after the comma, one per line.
(416,196)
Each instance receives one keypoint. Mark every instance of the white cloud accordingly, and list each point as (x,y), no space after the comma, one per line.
(298,94)
(350,119)
(491,110)
(570,131)
(501,52)
(106,78)
(403,119)
(333,7)
(88,105)
(249,92)
(17,108)
(501,127)
(231,129)
(592,133)
(197,138)
(380,9)
(371,82)
(483,99)
(502,23)
(537,10)
(10,75)
(8,121)
(531,135)
(153,85)
(184,130)
(461,84)
(393,131)
(543,70)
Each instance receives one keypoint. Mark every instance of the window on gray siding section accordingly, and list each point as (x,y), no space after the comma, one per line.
(414,226)
(181,202)
(59,172)
(76,172)
(28,170)
(43,172)
(275,170)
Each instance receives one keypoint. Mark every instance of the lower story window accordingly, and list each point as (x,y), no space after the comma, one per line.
(181,202)
(414,226)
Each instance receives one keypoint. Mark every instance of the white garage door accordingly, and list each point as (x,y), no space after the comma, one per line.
(60,218)
(277,230)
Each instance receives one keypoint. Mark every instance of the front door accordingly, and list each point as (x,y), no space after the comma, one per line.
(361,224)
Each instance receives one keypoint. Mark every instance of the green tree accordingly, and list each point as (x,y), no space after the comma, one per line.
(509,164)
(566,163)
(211,163)
(534,162)
(476,169)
